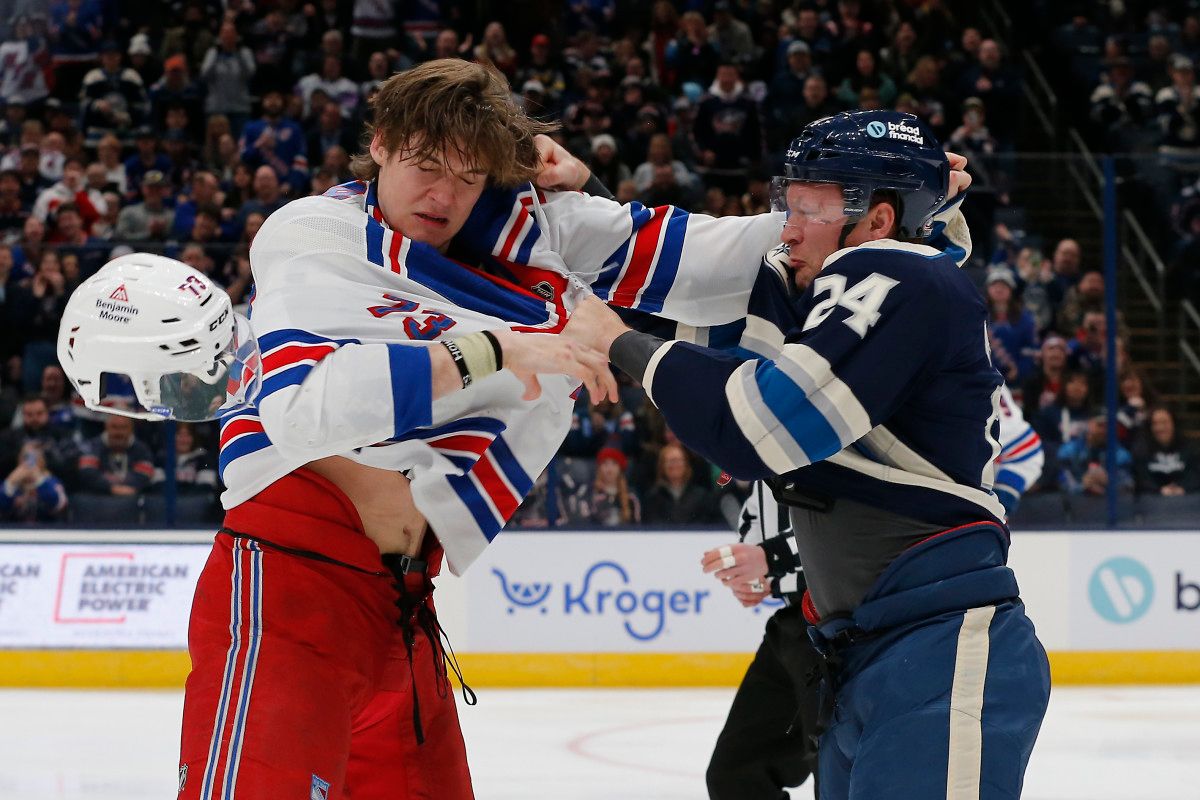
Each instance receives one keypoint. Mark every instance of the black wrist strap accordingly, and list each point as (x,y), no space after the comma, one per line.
(456,353)
(496,348)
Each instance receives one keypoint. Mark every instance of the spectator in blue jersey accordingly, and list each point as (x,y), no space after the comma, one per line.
(146,159)
(31,492)
(1082,462)
(115,463)
(274,140)
(1012,328)
(204,192)
(675,499)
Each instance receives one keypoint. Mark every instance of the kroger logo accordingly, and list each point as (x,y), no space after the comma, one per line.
(605,590)
(876,130)
(1121,590)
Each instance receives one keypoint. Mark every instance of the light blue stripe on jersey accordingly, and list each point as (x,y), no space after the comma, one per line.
(655,294)
(469,493)
(805,423)
(509,465)
(244,445)
(603,285)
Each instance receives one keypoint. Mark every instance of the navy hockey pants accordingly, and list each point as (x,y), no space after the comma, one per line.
(948,709)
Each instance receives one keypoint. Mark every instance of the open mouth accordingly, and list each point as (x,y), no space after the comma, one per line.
(432,219)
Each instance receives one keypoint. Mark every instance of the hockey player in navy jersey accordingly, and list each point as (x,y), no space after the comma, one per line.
(876,420)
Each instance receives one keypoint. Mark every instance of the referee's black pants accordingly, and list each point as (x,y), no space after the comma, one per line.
(755,756)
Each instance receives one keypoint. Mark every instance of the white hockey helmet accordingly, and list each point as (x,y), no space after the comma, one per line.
(169,330)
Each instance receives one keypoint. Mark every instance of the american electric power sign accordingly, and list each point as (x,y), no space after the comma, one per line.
(73,595)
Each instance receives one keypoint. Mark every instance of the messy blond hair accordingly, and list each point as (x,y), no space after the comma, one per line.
(453,106)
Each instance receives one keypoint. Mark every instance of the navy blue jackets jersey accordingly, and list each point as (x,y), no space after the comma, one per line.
(882,390)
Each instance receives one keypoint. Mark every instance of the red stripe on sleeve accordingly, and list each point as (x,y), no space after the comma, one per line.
(644,247)
(462,442)
(293,353)
(493,484)
(239,426)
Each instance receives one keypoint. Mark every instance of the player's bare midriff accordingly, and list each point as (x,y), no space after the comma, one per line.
(389,516)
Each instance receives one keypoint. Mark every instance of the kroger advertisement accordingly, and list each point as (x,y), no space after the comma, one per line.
(588,592)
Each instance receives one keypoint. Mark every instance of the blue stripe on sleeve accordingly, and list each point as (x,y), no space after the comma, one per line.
(250,443)
(466,490)
(804,422)
(466,425)
(462,462)
(412,385)
(375,243)
(509,465)
(273,339)
(526,248)
(1026,457)
(1008,478)
(608,275)
(668,262)
(292,376)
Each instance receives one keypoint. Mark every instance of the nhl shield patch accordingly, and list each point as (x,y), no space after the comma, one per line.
(320,789)
(182,777)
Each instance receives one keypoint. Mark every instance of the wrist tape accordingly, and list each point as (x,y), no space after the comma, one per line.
(476,355)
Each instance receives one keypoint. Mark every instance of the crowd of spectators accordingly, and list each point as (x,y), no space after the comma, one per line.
(180,129)
(1136,64)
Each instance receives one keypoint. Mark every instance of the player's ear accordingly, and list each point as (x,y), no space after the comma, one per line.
(379,153)
(881,221)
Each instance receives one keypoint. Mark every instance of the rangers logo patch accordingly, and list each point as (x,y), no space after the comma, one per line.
(320,789)
(119,294)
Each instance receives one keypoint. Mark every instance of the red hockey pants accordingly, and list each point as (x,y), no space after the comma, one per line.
(302,685)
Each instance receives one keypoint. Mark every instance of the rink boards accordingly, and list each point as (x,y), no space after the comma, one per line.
(109,608)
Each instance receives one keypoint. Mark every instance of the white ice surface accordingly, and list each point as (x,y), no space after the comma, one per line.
(1096,744)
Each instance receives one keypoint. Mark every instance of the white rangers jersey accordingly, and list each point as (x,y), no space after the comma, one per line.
(1020,462)
(344,307)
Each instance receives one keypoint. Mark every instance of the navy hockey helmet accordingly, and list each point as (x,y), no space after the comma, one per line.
(866,151)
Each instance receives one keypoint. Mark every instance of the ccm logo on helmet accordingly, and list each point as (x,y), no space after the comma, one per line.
(212,326)
(895,130)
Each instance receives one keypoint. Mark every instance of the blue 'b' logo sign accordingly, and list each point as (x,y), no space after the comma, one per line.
(876,130)
(1121,590)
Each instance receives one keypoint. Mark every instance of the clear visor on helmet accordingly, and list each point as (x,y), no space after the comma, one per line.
(228,383)
(809,202)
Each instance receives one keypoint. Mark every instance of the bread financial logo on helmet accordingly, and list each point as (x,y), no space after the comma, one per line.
(903,132)
(876,130)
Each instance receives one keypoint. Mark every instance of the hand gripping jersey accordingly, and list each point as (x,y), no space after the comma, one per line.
(344,307)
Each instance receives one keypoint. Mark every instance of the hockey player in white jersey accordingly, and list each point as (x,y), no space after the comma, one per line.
(348,479)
